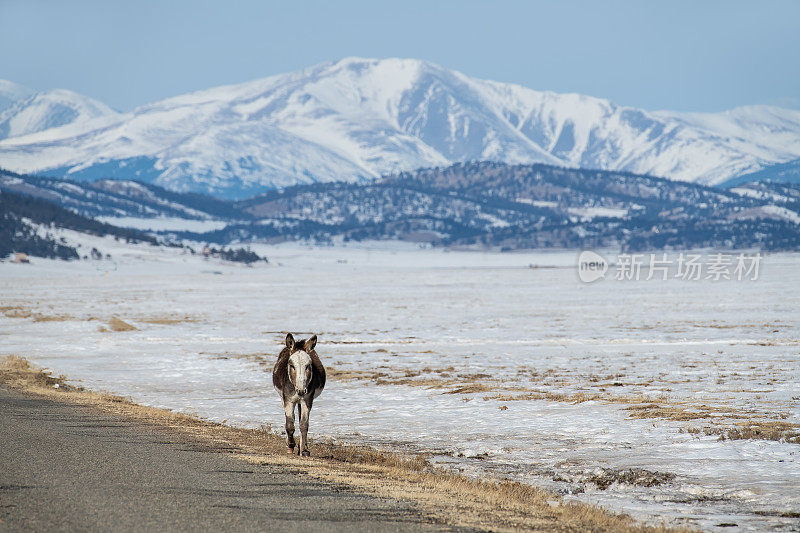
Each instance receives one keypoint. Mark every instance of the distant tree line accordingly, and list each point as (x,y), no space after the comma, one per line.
(508,207)
(22,219)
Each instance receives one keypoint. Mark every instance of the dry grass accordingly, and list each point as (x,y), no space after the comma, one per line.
(668,412)
(754,429)
(16,311)
(350,375)
(450,499)
(167,320)
(116,324)
(531,394)
(738,424)
(470,388)
(603,478)
(38,317)
(16,372)
(763,429)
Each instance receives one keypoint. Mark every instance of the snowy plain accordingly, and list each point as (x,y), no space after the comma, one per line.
(502,365)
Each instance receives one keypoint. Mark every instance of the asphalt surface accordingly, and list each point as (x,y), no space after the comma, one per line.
(65,467)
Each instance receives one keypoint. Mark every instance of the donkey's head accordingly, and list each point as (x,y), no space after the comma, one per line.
(300,369)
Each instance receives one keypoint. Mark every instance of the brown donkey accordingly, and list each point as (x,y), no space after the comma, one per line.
(299,377)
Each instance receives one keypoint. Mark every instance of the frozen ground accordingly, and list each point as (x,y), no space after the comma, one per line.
(613,392)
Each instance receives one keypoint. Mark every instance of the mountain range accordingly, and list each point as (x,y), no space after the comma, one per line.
(481,205)
(358,119)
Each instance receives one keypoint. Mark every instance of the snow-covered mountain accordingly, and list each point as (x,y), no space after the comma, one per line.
(11,93)
(788,172)
(360,118)
(120,199)
(37,112)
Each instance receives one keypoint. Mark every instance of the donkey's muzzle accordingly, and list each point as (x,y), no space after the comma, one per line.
(301,392)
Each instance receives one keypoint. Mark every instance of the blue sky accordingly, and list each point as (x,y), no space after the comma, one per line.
(694,55)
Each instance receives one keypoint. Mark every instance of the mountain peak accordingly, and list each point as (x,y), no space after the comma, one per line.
(11,93)
(49,109)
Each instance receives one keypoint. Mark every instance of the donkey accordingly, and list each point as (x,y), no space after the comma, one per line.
(299,377)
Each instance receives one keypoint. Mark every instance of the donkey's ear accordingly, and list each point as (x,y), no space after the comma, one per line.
(289,341)
(310,343)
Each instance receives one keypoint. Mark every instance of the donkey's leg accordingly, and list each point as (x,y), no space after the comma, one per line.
(305,410)
(288,408)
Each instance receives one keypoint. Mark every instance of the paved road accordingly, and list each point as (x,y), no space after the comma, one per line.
(68,467)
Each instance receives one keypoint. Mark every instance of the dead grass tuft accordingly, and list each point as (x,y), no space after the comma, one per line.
(18,311)
(117,324)
(470,388)
(167,320)
(350,375)
(15,311)
(652,410)
(631,476)
(18,373)
(764,429)
(603,478)
(37,317)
